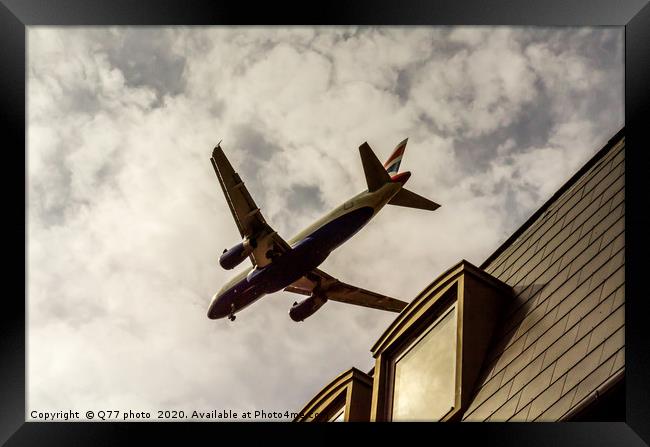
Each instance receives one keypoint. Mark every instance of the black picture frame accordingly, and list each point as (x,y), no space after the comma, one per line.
(16,15)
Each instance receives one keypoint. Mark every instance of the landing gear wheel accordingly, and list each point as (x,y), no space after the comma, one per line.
(232,317)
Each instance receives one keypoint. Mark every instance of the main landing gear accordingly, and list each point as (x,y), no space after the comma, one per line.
(318,286)
(232,315)
(272,254)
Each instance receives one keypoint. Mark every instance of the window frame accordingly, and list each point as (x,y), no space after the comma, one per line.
(338,414)
(334,408)
(417,335)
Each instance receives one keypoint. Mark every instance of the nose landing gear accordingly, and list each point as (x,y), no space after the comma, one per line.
(232,315)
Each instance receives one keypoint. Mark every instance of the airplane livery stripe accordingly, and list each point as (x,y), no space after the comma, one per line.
(393,166)
(398,153)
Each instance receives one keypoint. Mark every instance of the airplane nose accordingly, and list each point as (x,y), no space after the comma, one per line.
(217,308)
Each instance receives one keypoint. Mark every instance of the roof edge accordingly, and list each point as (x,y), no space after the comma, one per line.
(422,299)
(574,178)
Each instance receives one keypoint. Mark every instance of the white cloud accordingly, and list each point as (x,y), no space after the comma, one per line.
(479,88)
(126,218)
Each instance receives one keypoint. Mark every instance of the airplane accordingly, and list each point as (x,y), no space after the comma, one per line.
(293,265)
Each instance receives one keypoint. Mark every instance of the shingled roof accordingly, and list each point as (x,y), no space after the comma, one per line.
(561,340)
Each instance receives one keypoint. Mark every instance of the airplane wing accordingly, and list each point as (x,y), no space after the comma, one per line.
(247,215)
(336,290)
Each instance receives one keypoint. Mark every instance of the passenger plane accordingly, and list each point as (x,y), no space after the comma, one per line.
(293,265)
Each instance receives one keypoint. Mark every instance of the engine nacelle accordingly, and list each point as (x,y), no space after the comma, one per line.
(307,307)
(236,255)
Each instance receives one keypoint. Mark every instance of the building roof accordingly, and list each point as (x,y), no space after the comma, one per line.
(536,215)
(562,338)
(558,341)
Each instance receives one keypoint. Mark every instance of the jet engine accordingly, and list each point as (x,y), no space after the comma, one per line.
(233,257)
(307,307)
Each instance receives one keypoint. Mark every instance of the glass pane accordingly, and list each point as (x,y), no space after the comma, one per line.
(425,376)
(339,416)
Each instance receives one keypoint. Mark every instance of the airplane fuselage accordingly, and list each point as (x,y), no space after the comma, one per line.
(310,248)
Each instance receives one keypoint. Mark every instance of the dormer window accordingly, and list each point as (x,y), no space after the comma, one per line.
(423,374)
(429,358)
(344,399)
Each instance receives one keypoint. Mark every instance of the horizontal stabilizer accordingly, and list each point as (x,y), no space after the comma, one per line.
(376,175)
(412,200)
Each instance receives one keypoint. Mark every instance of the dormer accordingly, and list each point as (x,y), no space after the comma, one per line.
(345,399)
(428,360)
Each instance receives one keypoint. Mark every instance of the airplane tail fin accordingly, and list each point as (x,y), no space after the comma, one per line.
(412,200)
(393,162)
(376,175)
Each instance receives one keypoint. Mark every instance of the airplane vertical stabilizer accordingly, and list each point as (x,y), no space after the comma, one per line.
(376,175)
(393,162)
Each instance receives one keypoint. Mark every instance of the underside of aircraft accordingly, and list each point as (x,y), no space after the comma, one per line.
(293,265)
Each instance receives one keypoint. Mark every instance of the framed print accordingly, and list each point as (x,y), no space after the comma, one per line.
(163,146)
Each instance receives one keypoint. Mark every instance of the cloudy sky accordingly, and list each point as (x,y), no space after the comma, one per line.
(127,220)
